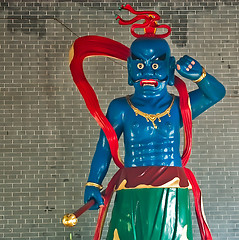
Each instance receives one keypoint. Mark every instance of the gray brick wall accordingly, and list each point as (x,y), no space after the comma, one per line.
(48,137)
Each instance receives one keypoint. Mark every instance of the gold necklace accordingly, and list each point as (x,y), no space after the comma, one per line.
(150,117)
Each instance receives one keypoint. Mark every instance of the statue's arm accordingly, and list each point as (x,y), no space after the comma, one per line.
(209,91)
(102,157)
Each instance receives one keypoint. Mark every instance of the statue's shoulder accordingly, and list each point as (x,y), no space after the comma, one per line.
(117,109)
(118,104)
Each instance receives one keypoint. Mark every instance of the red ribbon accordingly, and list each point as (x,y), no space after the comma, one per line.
(93,46)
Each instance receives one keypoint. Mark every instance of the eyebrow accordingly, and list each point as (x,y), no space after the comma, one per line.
(134,57)
(162,57)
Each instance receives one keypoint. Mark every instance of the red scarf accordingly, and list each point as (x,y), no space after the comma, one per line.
(100,46)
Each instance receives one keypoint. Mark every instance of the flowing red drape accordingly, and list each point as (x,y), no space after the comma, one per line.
(97,46)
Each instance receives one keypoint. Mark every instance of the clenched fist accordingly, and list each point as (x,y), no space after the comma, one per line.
(189,68)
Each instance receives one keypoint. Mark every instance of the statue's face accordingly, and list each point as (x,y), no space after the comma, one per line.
(150,64)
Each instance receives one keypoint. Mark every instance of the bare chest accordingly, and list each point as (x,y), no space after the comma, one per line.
(148,129)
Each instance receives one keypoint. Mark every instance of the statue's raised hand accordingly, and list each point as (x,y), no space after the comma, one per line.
(189,68)
(93,192)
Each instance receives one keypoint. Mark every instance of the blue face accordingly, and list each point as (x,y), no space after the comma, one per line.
(150,65)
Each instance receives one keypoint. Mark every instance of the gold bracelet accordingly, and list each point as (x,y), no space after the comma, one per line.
(92,184)
(204,74)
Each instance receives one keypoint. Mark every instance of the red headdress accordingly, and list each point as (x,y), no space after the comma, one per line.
(150,24)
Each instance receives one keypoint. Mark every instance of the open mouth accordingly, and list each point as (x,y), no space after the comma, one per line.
(148,82)
(152,82)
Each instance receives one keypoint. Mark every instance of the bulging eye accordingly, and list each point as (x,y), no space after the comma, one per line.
(155,66)
(140,65)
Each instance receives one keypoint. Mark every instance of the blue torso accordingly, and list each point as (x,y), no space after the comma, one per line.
(144,144)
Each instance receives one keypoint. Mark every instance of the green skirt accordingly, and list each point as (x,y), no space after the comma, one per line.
(151,214)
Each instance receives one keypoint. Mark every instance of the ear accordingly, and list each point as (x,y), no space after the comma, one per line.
(171,71)
(130,81)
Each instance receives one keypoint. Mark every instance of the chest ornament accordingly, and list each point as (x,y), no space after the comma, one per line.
(151,117)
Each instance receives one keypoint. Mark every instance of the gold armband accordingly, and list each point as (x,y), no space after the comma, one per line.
(202,76)
(92,184)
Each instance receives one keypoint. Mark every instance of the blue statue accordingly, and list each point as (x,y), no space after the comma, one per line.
(152,189)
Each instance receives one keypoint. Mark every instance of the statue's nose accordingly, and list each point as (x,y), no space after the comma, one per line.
(148,72)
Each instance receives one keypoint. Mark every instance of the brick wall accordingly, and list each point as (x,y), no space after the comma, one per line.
(48,137)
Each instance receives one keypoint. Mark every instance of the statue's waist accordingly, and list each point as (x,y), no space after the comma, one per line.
(142,160)
(155,153)
(152,177)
